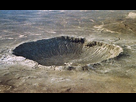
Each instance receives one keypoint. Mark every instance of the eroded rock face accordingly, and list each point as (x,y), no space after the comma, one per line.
(61,50)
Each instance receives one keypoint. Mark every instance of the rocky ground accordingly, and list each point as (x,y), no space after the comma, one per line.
(18,74)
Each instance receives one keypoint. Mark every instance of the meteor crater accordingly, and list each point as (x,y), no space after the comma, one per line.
(64,49)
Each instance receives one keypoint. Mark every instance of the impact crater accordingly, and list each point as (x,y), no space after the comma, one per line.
(64,49)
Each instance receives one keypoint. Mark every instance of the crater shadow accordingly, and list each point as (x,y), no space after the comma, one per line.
(54,51)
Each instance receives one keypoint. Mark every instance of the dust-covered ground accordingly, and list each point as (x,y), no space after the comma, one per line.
(18,74)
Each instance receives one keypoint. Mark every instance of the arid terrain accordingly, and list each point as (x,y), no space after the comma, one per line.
(111,27)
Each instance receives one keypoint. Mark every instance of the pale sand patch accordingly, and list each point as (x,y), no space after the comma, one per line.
(131,15)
